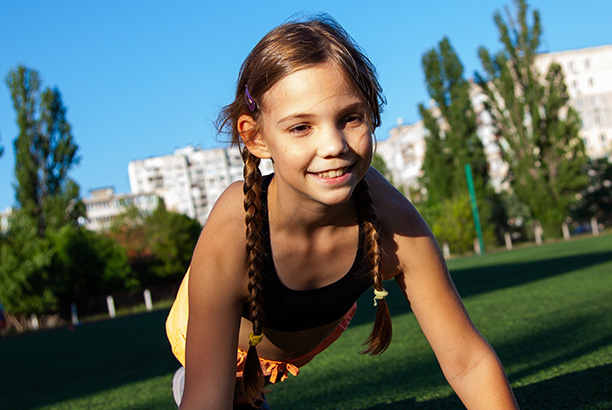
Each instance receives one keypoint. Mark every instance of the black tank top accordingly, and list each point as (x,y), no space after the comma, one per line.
(291,310)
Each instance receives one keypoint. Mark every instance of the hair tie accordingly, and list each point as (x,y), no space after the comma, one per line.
(249,100)
(255,339)
(379,294)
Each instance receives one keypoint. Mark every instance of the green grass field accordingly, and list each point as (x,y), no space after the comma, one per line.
(547,311)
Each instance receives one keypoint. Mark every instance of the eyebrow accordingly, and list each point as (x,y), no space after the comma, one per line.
(357,106)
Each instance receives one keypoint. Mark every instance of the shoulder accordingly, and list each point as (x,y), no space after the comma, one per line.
(220,250)
(407,239)
(229,203)
(226,219)
(395,212)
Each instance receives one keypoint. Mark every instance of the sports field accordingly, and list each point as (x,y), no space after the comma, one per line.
(547,311)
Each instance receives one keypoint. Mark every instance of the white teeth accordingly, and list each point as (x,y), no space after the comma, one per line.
(334,173)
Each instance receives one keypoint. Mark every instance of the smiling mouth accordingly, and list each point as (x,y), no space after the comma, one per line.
(334,173)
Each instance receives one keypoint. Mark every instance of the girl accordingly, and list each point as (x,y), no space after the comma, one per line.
(320,231)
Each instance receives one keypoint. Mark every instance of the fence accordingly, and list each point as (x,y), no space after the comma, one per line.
(538,233)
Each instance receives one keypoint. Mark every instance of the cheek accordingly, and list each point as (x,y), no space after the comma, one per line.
(365,146)
(291,155)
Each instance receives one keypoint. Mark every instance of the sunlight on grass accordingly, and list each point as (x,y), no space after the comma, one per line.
(546,310)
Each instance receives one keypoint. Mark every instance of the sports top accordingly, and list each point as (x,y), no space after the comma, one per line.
(287,309)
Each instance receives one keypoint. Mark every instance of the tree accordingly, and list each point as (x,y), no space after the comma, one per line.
(129,230)
(25,270)
(44,153)
(378,162)
(173,237)
(451,143)
(85,264)
(34,276)
(537,127)
(596,200)
(159,245)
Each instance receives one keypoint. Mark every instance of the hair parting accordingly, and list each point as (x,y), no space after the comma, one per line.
(380,336)
(253,379)
(294,46)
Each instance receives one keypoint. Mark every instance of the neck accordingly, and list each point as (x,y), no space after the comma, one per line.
(307,215)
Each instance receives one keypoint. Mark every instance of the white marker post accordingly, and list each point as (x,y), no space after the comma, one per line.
(110,303)
(148,301)
(566,232)
(73,314)
(508,239)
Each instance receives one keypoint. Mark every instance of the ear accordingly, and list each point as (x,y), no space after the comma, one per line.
(252,138)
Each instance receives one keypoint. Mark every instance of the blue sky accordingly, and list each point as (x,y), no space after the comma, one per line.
(142,78)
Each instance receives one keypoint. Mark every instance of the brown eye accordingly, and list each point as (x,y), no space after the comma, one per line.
(353,119)
(299,129)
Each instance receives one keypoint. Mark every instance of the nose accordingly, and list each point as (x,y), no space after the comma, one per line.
(332,143)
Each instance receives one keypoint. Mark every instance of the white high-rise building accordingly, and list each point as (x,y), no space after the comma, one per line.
(104,205)
(403,153)
(588,76)
(191,180)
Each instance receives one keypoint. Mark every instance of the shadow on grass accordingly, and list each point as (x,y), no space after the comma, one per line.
(537,357)
(485,279)
(59,365)
(595,394)
(54,366)
(549,358)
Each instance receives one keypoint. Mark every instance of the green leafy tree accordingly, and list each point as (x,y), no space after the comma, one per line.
(378,162)
(537,127)
(25,271)
(451,143)
(48,261)
(445,223)
(172,237)
(159,245)
(45,152)
(129,230)
(596,200)
(86,264)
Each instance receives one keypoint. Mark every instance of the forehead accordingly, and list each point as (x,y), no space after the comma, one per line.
(322,86)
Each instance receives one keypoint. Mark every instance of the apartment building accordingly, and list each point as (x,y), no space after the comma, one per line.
(191,180)
(104,205)
(588,75)
(403,152)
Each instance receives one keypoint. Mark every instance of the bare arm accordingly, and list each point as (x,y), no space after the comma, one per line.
(217,289)
(469,363)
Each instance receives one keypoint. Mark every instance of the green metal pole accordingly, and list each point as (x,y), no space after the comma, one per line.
(470,182)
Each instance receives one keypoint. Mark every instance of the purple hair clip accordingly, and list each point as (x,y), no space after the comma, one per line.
(249,100)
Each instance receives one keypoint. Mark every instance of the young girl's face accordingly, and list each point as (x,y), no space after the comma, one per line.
(315,129)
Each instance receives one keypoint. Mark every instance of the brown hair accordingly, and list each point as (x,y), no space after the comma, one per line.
(286,49)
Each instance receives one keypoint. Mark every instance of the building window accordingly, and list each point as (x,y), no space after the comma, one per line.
(587,63)
(598,120)
(591,81)
(595,101)
(572,67)
(585,141)
(602,137)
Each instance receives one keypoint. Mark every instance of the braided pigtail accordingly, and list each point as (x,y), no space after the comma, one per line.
(253,379)
(380,337)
